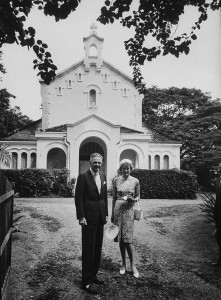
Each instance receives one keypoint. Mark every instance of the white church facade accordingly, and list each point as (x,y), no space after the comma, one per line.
(91,107)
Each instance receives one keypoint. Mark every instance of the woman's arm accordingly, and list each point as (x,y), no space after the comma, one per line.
(137,192)
(114,199)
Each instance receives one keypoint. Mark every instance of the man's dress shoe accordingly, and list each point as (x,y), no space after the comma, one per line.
(90,289)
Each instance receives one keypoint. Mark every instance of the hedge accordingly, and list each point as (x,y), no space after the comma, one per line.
(166,184)
(41,182)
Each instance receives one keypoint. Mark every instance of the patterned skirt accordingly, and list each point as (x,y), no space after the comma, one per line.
(124,219)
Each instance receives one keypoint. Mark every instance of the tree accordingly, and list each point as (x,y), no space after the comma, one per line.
(158,19)
(194,119)
(10,118)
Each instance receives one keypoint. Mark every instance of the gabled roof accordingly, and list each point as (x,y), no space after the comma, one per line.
(93,116)
(27,133)
(81,62)
(109,65)
(94,35)
(60,128)
(129,130)
(59,74)
(63,128)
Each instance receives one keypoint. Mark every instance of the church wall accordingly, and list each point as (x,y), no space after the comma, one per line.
(66,100)
(20,147)
(46,142)
(93,87)
(94,130)
(172,150)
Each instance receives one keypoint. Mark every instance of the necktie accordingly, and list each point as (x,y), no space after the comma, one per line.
(97,181)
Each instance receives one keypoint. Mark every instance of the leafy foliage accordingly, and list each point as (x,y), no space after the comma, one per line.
(11,118)
(41,182)
(13,15)
(208,206)
(2,69)
(166,184)
(194,119)
(5,158)
(157,19)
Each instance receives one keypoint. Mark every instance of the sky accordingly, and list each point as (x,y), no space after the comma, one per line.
(200,69)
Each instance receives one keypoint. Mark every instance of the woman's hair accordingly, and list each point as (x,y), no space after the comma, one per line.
(126,162)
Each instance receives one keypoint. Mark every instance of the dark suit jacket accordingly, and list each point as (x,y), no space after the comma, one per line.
(89,203)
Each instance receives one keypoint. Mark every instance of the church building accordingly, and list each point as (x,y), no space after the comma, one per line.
(92,106)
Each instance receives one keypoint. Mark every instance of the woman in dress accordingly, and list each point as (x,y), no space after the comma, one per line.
(126,192)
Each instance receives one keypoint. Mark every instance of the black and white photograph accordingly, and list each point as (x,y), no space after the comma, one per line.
(110,149)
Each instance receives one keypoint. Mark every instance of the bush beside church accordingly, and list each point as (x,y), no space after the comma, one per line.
(154,184)
(166,184)
(41,182)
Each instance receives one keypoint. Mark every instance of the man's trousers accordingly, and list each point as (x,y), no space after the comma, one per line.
(92,239)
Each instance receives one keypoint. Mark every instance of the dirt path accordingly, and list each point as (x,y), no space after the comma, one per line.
(173,249)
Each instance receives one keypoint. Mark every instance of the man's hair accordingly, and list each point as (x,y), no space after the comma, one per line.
(93,155)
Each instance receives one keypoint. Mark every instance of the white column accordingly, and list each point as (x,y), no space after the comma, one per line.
(28,160)
(19,160)
(112,162)
(74,159)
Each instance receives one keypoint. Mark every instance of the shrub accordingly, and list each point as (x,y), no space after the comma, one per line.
(208,206)
(40,182)
(166,184)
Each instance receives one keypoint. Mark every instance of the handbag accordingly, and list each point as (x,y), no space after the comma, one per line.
(138,213)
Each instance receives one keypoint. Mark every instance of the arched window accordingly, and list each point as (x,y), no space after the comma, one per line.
(24,160)
(92,98)
(69,84)
(33,161)
(132,155)
(105,77)
(124,92)
(93,51)
(79,77)
(56,159)
(166,162)
(115,85)
(157,162)
(14,160)
(59,91)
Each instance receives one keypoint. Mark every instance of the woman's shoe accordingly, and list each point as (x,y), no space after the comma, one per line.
(122,270)
(135,272)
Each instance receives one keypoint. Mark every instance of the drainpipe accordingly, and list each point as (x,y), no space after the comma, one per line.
(68,146)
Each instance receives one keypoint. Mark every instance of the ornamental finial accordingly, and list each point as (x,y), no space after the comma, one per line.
(93,27)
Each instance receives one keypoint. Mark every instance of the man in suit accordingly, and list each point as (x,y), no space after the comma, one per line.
(217,215)
(92,211)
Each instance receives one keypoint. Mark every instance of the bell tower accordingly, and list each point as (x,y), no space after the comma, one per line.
(93,46)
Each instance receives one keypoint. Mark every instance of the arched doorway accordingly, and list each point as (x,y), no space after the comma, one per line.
(56,159)
(89,146)
(130,154)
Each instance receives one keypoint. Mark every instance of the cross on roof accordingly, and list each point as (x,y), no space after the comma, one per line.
(93,27)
